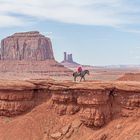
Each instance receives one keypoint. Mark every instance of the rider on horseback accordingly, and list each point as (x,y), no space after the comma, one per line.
(80,73)
(79,69)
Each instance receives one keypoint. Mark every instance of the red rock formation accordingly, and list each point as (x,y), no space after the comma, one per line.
(68,58)
(29,55)
(96,107)
(26,46)
(66,103)
(68,61)
(93,104)
(96,102)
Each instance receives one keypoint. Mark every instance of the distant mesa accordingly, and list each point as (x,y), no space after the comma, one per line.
(29,53)
(68,57)
(68,60)
(71,64)
(26,46)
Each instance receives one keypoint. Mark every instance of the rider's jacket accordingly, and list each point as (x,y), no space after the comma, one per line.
(79,69)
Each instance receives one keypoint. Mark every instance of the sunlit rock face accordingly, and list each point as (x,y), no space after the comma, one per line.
(26,46)
(95,104)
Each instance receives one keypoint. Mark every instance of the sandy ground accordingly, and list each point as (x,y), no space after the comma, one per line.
(95,74)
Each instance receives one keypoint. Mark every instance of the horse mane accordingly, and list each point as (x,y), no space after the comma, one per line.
(87,70)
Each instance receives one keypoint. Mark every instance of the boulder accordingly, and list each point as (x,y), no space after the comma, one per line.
(65,129)
(76,123)
(56,135)
(69,134)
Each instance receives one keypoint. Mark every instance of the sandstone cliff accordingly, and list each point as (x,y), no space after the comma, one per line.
(68,110)
(26,46)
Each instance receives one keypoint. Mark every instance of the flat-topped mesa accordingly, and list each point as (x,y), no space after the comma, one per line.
(29,34)
(26,46)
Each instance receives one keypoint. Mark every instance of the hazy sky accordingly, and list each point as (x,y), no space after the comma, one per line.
(97,32)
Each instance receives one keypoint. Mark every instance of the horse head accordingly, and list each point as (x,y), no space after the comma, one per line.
(87,72)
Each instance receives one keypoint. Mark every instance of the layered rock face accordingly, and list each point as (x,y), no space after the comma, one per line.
(26,46)
(96,108)
(66,103)
(63,110)
(17,97)
(95,103)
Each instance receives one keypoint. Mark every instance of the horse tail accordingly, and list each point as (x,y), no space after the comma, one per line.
(73,74)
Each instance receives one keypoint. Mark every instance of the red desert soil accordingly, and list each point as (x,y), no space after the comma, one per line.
(130,77)
(33,69)
(52,110)
(106,74)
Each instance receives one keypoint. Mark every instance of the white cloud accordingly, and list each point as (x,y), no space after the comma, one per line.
(6,21)
(87,12)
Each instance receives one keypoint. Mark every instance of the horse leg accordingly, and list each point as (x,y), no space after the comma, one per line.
(75,78)
(81,78)
(84,78)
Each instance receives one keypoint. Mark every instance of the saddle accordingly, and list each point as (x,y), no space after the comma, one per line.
(79,73)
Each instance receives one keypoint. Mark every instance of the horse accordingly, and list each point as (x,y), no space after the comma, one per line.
(81,74)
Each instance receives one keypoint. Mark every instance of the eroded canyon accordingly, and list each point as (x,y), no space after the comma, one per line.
(48,109)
